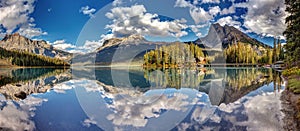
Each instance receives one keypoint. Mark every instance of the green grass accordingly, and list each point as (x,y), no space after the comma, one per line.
(294,85)
(291,71)
(293,75)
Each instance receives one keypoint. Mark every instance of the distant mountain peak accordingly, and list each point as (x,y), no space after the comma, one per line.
(136,37)
(222,36)
(10,36)
(132,39)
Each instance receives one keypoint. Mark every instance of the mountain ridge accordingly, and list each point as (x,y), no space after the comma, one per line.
(132,48)
(226,35)
(17,42)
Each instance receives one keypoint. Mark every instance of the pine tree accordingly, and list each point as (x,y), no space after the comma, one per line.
(292,32)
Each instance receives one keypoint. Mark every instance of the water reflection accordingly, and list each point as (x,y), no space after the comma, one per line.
(17,84)
(16,104)
(226,96)
(137,99)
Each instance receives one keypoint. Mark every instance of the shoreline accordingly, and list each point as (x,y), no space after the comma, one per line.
(291,110)
(24,67)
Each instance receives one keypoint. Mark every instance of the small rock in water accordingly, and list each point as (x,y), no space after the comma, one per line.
(21,95)
(18,85)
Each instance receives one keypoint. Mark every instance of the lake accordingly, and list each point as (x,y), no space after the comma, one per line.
(140,99)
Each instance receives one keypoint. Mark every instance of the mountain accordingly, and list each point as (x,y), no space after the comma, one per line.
(133,39)
(16,42)
(118,50)
(222,36)
(133,48)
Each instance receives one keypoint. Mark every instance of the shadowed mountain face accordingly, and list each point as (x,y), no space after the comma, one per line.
(20,43)
(225,35)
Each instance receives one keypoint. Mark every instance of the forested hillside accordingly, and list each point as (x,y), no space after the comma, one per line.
(174,55)
(29,59)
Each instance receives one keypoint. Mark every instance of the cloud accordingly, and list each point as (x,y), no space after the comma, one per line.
(86,10)
(17,115)
(214,10)
(230,10)
(89,122)
(199,14)
(183,3)
(199,35)
(265,17)
(211,1)
(230,22)
(63,45)
(90,46)
(30,31)
(15,14)
(132,110)
(117,2)
(266,116)
(195,28)
(135,20)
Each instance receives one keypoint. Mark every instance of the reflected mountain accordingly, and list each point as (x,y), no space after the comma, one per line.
(196,98)
(17,84)
(223,85)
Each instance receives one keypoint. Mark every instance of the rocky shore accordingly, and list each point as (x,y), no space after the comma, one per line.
(290,108)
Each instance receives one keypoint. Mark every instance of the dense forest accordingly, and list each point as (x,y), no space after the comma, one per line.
(177,55)
(29,59)
(246,54)
(292,32)
(174,55)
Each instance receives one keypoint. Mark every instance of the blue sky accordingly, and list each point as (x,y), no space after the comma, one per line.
(83,25)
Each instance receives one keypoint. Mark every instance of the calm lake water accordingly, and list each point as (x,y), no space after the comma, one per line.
(137,99)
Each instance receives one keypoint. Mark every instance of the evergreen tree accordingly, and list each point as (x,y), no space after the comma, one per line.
(292,32)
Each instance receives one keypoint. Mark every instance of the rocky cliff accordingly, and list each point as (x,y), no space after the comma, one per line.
(20,43)
(226,35)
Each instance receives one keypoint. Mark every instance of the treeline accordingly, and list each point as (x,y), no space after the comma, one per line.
(174,78)
(29,59)
(246,54)
(245,77)
(35,73)
(174,55)
(292,32)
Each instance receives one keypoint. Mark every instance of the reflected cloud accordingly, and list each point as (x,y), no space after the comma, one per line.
(266,116)
(23,82)
(136,111)
(258,112)
(88,122)
(17,115)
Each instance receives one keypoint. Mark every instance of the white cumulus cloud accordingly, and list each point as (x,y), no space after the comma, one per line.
(265,17)
(117,2)
(86,10)
(230,10)
(15,14)
(62,45)
(199,14)
(229,21)
(211,1)
(135,20)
